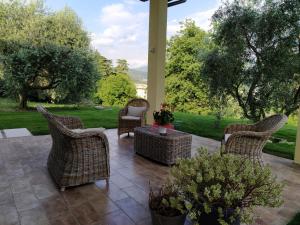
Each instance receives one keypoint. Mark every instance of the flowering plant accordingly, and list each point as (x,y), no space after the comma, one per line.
(163,116)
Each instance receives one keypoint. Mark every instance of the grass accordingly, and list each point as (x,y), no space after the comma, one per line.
(295,220)
(11,117)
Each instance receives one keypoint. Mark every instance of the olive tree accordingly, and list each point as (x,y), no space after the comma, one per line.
(257,58)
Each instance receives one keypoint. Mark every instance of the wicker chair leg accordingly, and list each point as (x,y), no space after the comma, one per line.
(107,181)
(62,189)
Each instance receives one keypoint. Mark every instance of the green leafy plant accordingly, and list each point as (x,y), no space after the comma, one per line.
(225,186)
(164,116)
(166,201)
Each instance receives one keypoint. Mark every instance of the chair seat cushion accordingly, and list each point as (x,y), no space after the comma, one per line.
(226,136)
(135,111)
(100,129)
(130,118)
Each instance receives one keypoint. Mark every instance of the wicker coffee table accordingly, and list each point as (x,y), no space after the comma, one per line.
(165,149)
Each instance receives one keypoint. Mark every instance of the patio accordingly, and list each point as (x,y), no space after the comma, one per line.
(28,195)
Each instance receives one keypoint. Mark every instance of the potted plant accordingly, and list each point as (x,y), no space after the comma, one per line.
(166,206)
(163,119)
(224,189)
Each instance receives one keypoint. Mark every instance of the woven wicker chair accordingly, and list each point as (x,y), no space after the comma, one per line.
(249,140)
(75,158)
(127,125)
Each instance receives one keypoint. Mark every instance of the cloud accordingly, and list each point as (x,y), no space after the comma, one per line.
(124,35)
(124,31)
(201,18)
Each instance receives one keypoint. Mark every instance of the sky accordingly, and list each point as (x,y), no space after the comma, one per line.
(119,28)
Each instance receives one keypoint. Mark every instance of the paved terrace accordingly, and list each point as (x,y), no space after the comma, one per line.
(29,197)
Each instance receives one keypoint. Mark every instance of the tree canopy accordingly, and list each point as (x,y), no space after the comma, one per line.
(185,89)
(116,90)
(42,50)
(30,67)
(257,56)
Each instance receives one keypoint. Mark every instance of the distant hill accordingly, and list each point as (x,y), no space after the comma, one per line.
(138,75)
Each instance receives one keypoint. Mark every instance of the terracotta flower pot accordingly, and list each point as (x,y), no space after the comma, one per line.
(169,125)
(158,219)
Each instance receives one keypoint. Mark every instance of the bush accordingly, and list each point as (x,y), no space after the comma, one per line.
(115,90)
(227,186)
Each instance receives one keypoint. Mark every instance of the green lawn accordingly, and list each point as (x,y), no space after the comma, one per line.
(10,117)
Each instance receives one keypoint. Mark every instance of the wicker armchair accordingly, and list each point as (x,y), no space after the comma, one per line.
(75,157)
(128,123)
(249,140)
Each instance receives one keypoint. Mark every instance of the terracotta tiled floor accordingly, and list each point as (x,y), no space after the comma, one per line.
(29,197)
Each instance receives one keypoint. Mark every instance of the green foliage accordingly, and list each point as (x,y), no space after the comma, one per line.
(164,116)
(257,56)
(104,65)
(166,201)
(30,67)
(201,125)
(116,90)
(185,89)
(211,182)
(122,67)
(31,23)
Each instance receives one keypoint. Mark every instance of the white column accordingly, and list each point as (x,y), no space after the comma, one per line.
(297,150)
(157,55)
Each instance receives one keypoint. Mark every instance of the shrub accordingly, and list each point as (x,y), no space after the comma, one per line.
(227,185)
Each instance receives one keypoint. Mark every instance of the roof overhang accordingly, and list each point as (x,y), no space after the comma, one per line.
(171,2)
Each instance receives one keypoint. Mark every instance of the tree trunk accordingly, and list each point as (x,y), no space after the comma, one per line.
(23,97)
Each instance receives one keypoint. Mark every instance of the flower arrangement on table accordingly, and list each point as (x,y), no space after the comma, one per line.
(163,118)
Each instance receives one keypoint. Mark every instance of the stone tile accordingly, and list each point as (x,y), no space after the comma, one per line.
(91,191)
(6,196)
(43,191)
(113,192)
(103,205)
(25,201)
(54,206)
(86,214)
(8,215)
(133,209)
(24,175)
(19,132)
(34,216)
(137,194)
(74,197)
(66,219)
(115,218)
(120,181)
(21,185)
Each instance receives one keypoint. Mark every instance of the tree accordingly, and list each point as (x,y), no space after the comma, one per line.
(24,22)
(185,89)
(122,67)
(116,90)
(104,65)
(33,22)
(30,67)
(257,59)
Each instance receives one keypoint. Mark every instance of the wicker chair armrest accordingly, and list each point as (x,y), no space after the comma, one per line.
(232,128)
(71,122)
(250,136)
(123,112)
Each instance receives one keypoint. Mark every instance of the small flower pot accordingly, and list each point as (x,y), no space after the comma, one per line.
(158,219)
(162,130)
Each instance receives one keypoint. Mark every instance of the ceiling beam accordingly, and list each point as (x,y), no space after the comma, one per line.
(171,2)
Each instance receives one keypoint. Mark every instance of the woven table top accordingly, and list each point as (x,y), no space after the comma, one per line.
(153,131)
